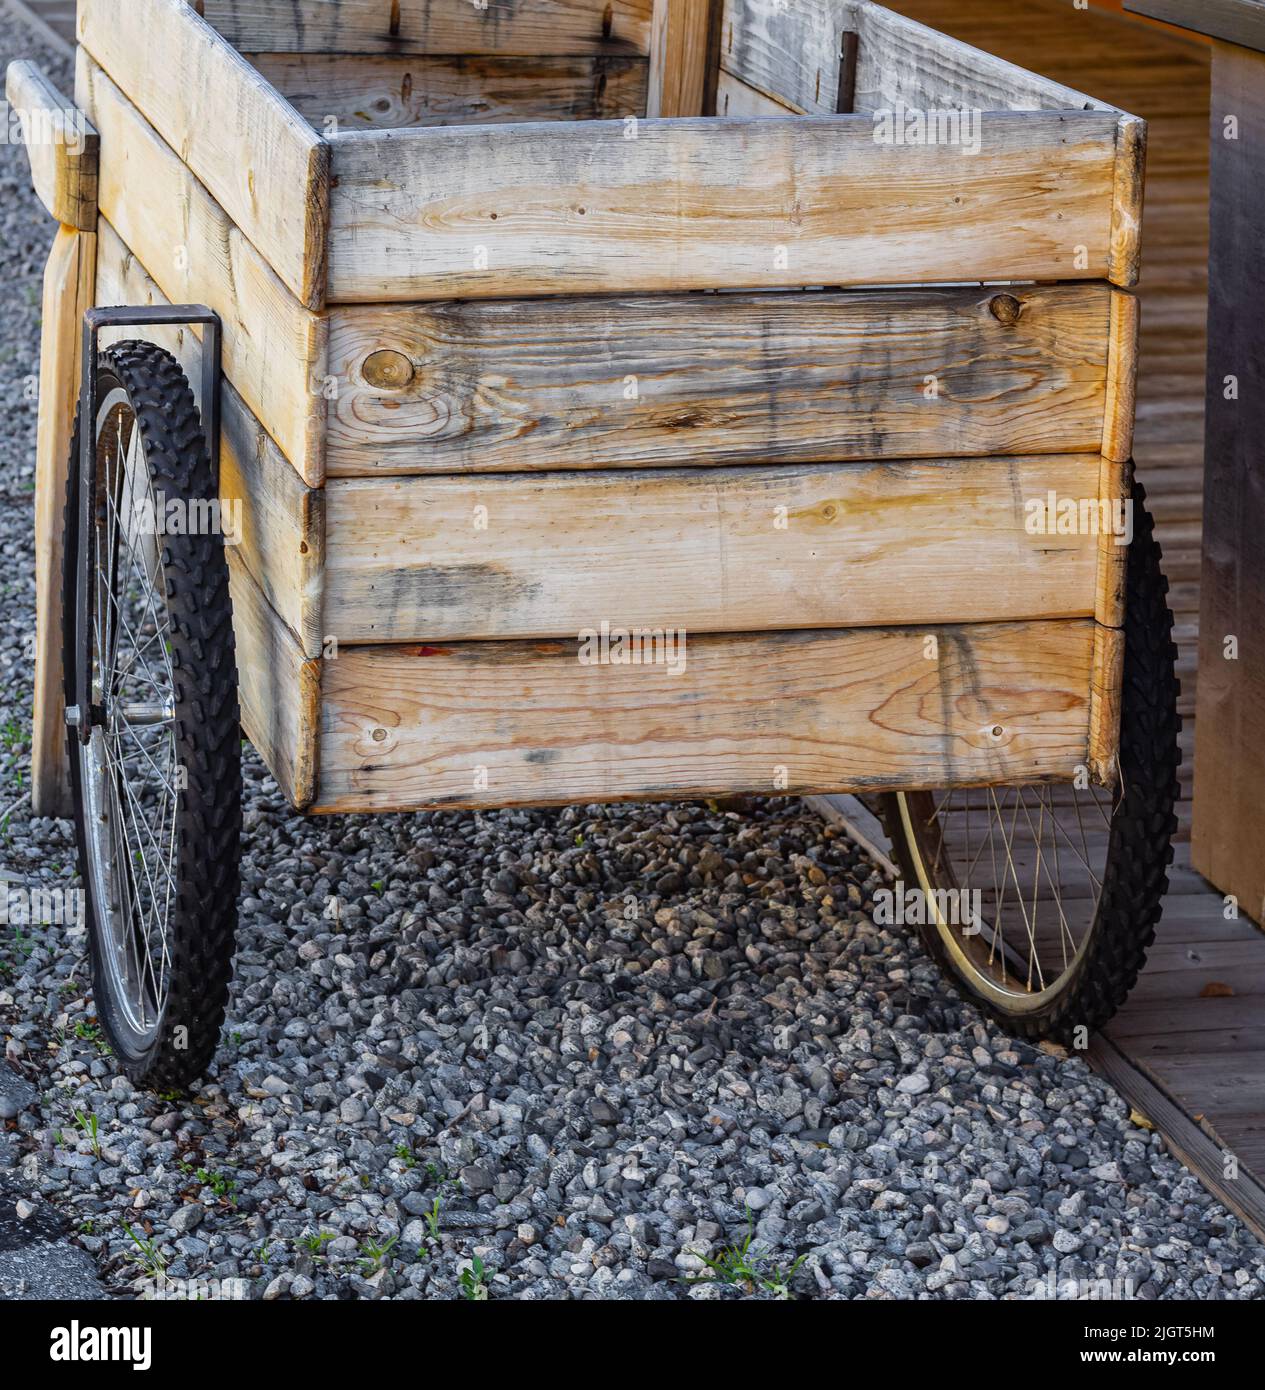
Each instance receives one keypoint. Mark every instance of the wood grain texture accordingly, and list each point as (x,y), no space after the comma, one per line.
(1125,263)
(506,27)
(383,92)
(1229,819)
(1122,378)
(734,97)
(697,204)
(61,144)
(278,687)
(729,550)
(281,536)
(681,34)
(733,378)
(69,279)
(264,165)
(792,52)
(902,61)
(1105,685)
(274,348)
(1115,487)
(507,723)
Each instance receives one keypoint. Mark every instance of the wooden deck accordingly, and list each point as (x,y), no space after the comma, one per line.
(1194,1063)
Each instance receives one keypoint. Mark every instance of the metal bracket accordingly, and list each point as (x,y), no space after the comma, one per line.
(128,316)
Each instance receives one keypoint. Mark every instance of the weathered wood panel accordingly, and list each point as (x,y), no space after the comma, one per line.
(793,53)
(274,348)
(425,559)
(279,689)
(506,723)
(61,145)
(422,26)
(1228,838)
(902,61)
(734,97)
(68,293)
(373,91)
(728,378)
(281,532)
(541,208)
(264,165)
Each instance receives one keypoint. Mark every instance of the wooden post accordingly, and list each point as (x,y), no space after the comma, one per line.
(1228,830)
(63,151)
(684,58)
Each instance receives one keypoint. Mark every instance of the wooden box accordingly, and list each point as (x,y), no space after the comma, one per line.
(518,343)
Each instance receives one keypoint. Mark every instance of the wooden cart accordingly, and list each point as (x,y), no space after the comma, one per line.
(625,399)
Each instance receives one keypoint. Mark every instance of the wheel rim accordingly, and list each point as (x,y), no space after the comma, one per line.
(129,772)
(1012,879)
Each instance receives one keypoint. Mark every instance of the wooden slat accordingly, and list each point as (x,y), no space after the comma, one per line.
(506,27)
(1228,838)
(383,92)
(792,52)
(695,204)
(274,348)
(1203,1153)
(281,538)
(507,723)
(264,165)
(68,293)
(422,559)
(718,379)
(734,97)
(681,43)
(901,61)
(1104,704)
(279,689)
(1115,487)
(61,144)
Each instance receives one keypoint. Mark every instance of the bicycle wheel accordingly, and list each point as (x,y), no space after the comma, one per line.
(156,777)
(1039,902)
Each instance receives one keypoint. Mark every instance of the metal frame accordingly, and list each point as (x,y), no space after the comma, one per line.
(83,715)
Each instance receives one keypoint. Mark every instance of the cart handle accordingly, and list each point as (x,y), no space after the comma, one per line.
(61,144)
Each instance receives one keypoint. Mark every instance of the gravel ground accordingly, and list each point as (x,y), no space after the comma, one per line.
(586,1048)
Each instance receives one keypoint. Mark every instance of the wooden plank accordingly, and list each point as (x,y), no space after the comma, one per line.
(279,688)
(61,144)
(1236,21)
(730,550)
(274,348)
(511,723)
(506,27)
(1201,1152)
(1122,379)
(1126,219)
(902,62)
(1106,680)
(264,165)
(627,382)
(336,91)
(1115,489)
(681,33)
(734,97)
(540,208)
(793,52)
(280,537)
(69,278)
(1229,812)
